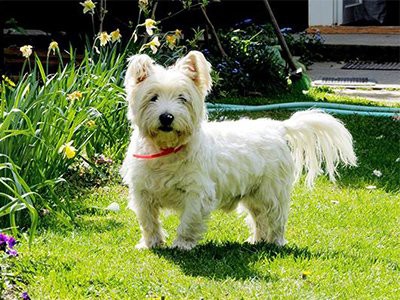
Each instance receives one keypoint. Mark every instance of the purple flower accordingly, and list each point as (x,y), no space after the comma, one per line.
(25,296)
(318,37)
(235,71)
(11,242)
(247,21)
(3,239)
(244,22)
(220,67)
(12,252)
(286,30)
(7,244)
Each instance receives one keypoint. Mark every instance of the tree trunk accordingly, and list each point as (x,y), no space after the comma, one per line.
(214,32)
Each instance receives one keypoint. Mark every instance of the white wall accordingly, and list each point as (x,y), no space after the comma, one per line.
(324,12)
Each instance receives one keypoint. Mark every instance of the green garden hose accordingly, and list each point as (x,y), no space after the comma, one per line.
(335,108)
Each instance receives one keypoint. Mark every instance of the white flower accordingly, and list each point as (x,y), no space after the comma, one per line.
(26,51)
(135,37)
(113,207)
(143,3)
(377,173)
(104,38)
(397,159)
(153,44)
(149,23)
(370,187)
(88,6)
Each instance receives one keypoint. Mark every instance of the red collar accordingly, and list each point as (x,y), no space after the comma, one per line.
(164,152)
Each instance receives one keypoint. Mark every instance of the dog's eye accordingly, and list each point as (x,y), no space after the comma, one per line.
(182,98)
(154,98)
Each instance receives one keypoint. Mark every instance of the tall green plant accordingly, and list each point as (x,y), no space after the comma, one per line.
(48,121)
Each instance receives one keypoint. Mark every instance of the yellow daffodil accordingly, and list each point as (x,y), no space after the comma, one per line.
(153,44)
(149,23)
(26,50)
(104,38)
(53,47)
(88,6)
(171,41)
(115,36)
(91,123)
(68,150)
(305,274)
(8,81)
(143,4)
(77,95)
(178,33)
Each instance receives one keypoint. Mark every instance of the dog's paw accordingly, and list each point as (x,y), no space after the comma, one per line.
(280,242)
(142,246)
(183,244)
(250,240)
(153,243)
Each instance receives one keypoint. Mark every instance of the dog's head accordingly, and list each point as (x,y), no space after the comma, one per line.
(167,104)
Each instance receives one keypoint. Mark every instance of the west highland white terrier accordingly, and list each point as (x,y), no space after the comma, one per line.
(178,161)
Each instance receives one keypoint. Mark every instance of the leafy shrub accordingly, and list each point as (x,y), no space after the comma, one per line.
(251,65)
(306,46)
(254,65)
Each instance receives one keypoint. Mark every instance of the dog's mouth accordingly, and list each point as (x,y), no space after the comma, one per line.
(165,128)
(167,136)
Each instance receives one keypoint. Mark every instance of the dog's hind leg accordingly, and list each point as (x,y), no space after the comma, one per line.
(148,214)
(267,213)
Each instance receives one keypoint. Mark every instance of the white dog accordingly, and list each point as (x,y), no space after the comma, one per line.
(177,160)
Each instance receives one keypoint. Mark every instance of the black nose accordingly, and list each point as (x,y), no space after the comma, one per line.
(166,119)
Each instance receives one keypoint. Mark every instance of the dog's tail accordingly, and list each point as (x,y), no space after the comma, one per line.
(317,138)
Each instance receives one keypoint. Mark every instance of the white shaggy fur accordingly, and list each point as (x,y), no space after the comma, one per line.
(251,163)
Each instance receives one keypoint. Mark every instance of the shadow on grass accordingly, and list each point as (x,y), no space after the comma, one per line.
(231,260)
(99,223)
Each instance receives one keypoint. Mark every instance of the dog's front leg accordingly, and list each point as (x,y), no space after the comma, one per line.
(147,213)
(192,222)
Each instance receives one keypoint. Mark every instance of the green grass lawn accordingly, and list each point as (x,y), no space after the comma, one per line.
(344,242)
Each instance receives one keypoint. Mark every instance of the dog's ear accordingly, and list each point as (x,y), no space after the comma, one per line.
(139,68)
(195,66)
